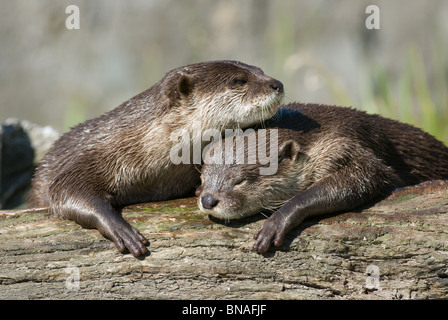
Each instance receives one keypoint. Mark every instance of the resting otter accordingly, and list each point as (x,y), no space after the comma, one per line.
(123,156)
(330,159)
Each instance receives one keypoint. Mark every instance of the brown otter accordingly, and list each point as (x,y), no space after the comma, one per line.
(330,159)
(123,156)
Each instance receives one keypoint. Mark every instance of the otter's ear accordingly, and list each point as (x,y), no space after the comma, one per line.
(185,84)
(289,150)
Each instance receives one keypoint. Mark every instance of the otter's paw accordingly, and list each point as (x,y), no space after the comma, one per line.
(125,237)
(272,231)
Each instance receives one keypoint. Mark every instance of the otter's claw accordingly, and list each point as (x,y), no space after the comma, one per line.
(124,236)
(273,231)
(131,240)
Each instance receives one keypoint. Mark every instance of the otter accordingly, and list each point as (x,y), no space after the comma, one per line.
(330,159)
(123,156)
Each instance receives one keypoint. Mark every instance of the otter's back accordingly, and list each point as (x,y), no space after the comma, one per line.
(414,154)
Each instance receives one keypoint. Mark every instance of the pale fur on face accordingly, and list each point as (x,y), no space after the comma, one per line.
(230,109)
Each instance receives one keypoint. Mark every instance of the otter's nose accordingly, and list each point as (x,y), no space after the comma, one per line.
(209,202)
(277,85)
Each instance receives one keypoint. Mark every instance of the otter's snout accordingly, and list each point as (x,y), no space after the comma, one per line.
(276,85)
(209,202)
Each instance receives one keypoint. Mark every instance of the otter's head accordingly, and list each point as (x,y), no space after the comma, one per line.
(232,191)
(223,94)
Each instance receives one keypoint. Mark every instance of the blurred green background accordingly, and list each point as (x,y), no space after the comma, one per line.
(320,50)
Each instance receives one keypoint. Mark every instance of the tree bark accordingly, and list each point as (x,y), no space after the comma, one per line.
(395,249)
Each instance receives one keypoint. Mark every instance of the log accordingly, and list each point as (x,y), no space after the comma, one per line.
(394,249)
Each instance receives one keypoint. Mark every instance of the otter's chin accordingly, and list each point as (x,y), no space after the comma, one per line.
(259,114)
(270,106)
(228,215)
(224,215)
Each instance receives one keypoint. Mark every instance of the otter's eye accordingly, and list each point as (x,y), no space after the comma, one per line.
(240,81)
(239,181)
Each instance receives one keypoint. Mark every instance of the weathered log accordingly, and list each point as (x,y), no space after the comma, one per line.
(395,249)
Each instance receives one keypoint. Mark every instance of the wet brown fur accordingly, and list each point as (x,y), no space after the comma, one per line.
(122,157)
(331,159)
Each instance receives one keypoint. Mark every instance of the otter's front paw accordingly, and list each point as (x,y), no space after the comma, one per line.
(132,240)
(124,236)
(273,231)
